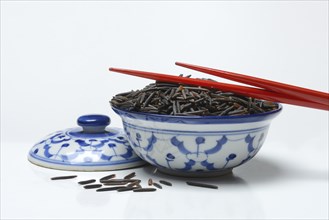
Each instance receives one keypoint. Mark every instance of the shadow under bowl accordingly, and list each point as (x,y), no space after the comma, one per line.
(199,146)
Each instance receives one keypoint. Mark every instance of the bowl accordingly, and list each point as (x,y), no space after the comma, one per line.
(196,145)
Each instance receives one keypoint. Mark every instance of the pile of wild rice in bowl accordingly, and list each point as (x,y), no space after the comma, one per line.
(185,100)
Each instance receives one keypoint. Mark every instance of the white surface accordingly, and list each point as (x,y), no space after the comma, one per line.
(54,61)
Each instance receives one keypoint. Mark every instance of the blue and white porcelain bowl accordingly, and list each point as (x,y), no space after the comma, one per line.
(196,145)
(91,147)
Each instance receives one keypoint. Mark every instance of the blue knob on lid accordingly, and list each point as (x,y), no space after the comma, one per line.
(94,123)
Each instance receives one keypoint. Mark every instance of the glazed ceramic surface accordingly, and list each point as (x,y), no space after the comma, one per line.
(91,147)
(196,146)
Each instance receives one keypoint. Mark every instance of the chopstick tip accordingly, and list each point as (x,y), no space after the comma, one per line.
(183,65)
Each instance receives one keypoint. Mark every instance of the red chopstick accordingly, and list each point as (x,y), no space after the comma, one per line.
(285,89)
(242,90)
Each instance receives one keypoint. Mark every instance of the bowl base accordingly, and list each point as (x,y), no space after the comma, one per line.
(214,173)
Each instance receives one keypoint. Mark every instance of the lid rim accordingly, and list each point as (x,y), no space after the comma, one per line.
(136,159)
(86,168)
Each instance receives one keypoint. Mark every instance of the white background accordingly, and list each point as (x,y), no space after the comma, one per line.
(54,68)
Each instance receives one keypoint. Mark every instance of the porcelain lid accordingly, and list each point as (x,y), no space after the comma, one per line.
(91,147)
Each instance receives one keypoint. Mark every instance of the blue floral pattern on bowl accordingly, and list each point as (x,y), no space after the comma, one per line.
(205,146)
(91,148)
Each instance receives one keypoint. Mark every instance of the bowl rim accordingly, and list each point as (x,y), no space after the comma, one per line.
(203,119)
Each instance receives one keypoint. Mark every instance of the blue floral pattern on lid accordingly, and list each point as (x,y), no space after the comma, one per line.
(90,148)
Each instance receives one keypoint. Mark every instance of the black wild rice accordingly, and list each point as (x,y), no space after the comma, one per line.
(129,176)
(87,182)
(126,189)
(202,185)
(164,182)
(145,190)
(119,180)
(116,183)
(92,186)
(114,188)
(186,100)
(111,176)
(157,185)
(63,177)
